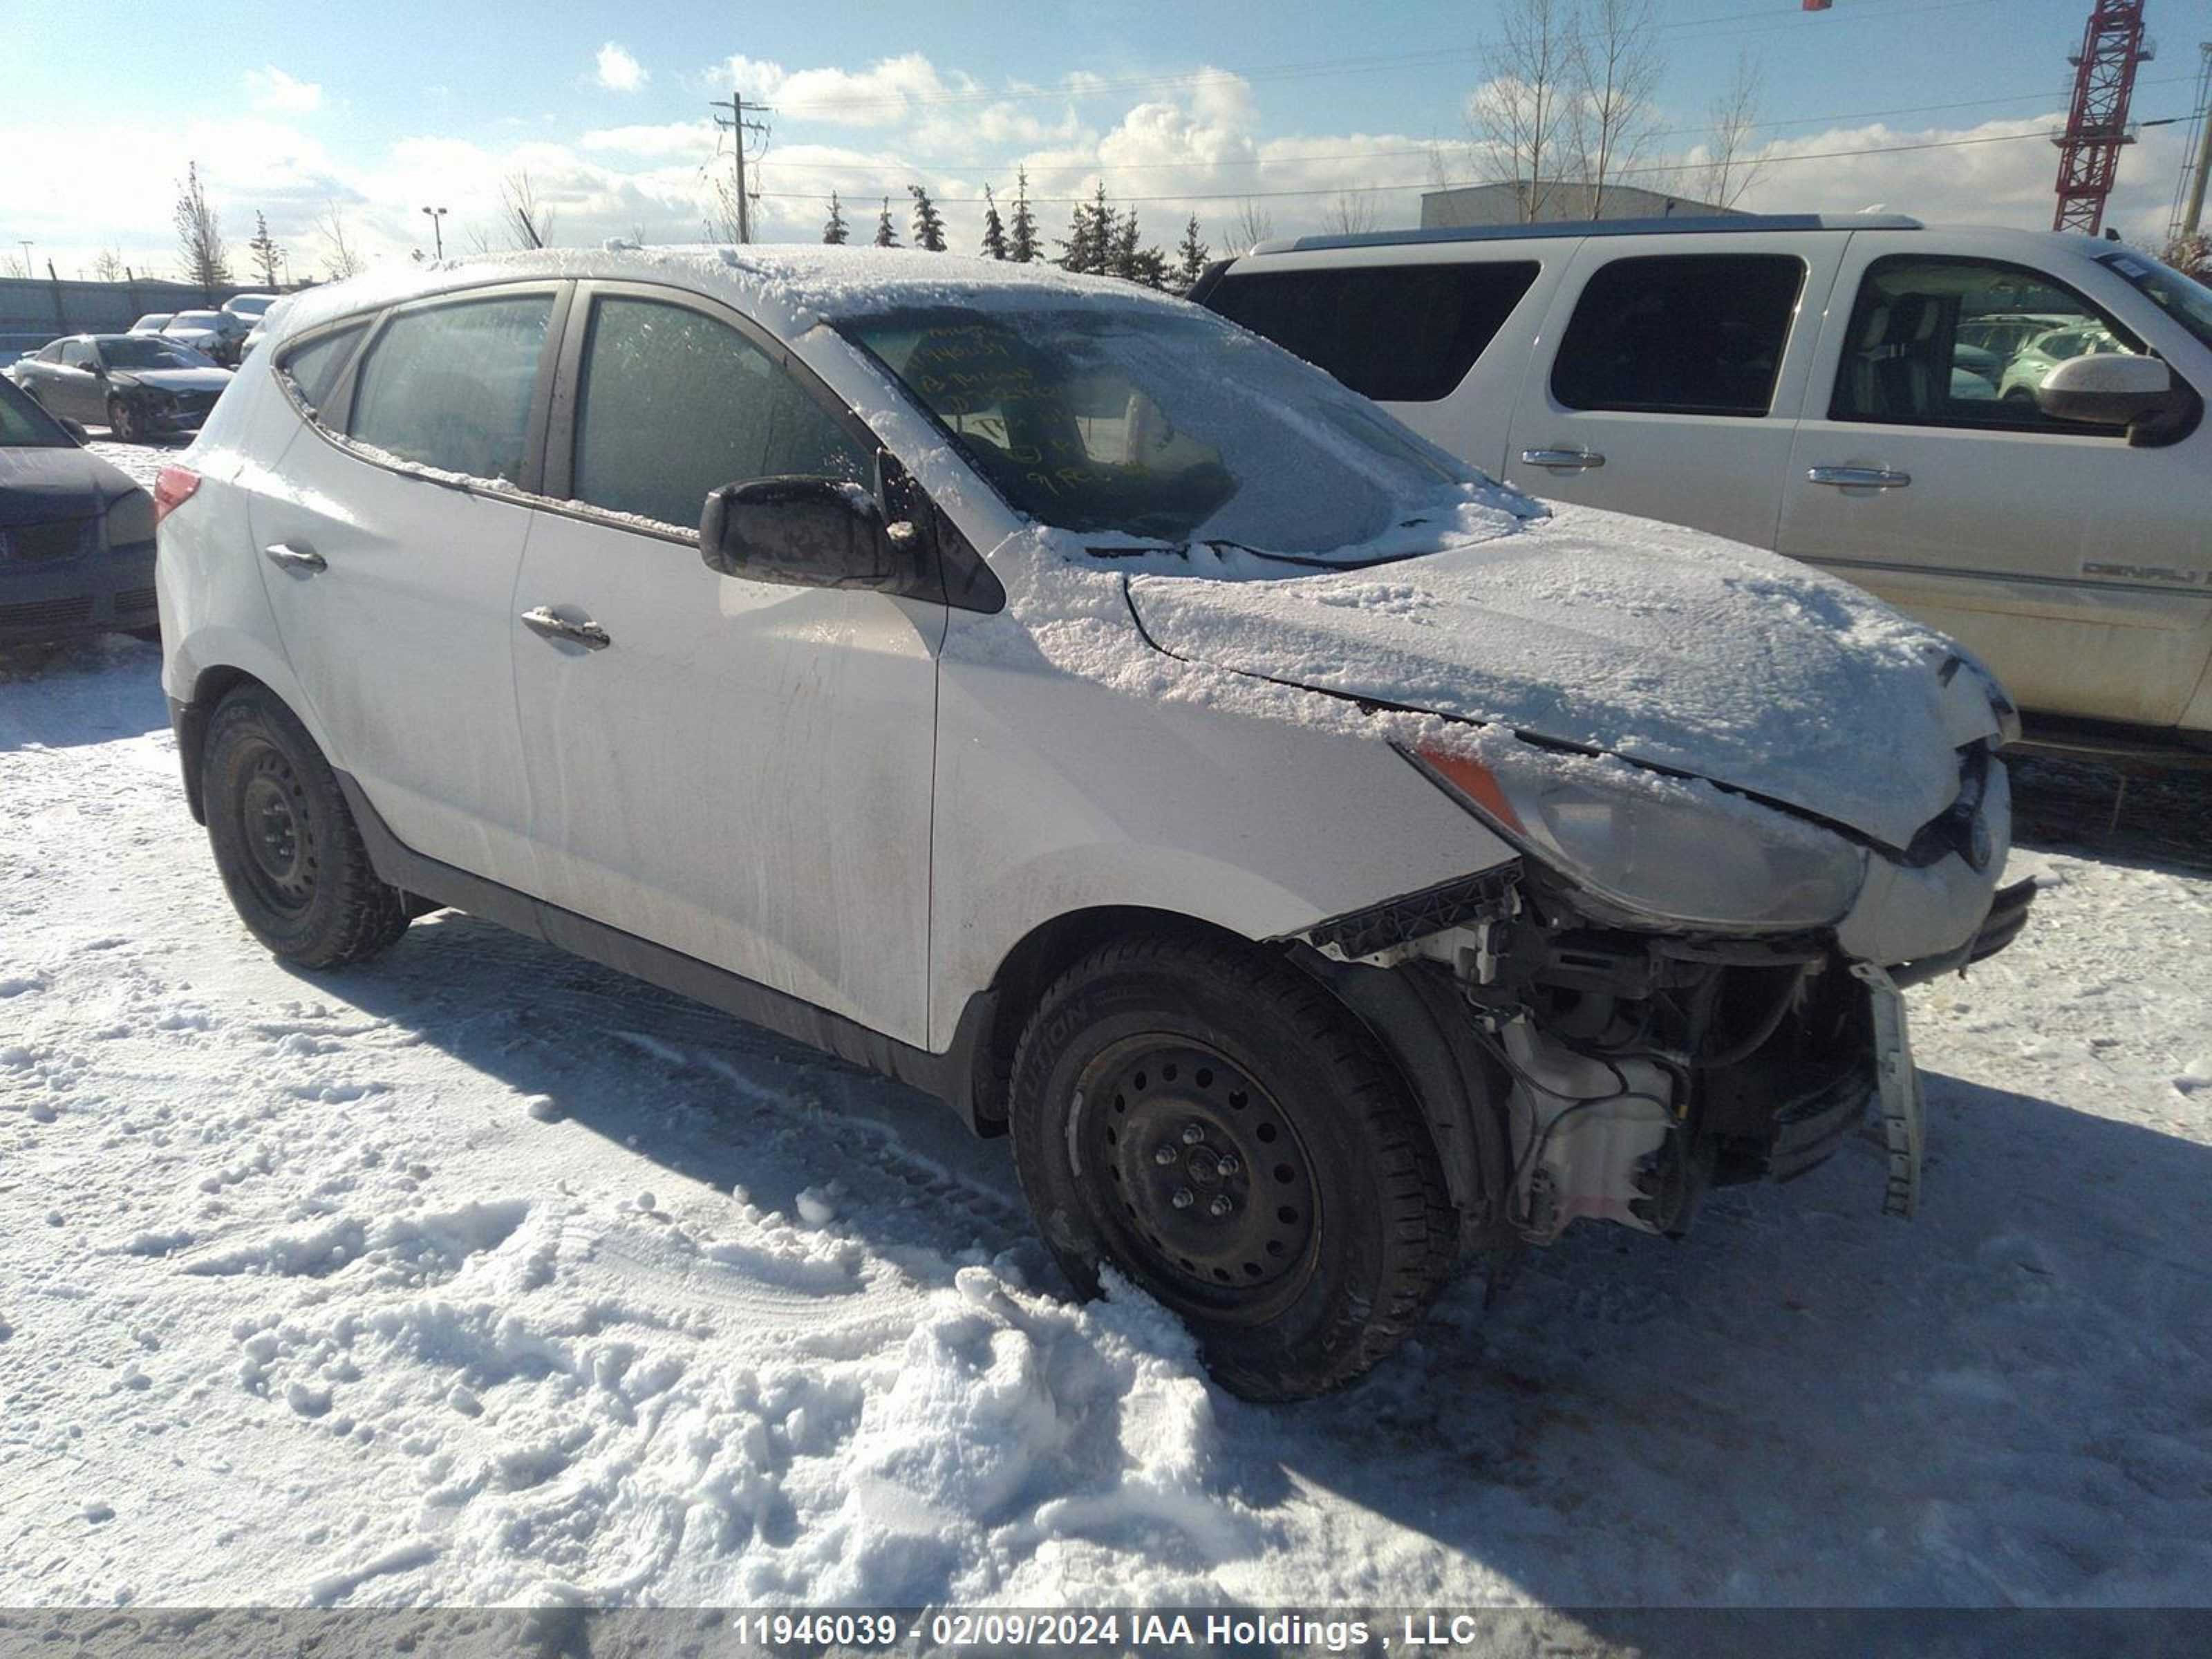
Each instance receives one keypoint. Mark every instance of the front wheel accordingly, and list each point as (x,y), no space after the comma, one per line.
(1203,1117)
(122,422)
(288,851)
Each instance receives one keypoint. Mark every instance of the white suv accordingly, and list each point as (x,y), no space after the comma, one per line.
(1999,432)
(1324,861)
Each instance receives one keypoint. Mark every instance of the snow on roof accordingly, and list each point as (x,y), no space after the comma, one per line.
(788,286)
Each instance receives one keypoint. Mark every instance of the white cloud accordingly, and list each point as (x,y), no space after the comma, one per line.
(274,92)
(666,138)
(618,71)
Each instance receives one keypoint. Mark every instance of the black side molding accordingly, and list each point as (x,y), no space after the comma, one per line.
(952,1076)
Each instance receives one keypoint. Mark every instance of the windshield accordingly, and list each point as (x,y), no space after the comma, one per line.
(152,319)
(137,351)
(249,305)
(24,425)
(1142,423)
(196,320)
(2187,302)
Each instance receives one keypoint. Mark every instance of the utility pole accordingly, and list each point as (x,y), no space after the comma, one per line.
(737,126)
(2192,212)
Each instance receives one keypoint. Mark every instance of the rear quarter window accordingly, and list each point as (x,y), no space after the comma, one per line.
(1679,334)
(449,386)
(314,367)
(1397,334)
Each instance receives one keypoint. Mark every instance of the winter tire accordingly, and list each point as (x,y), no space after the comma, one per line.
(290,855)
(1210,1121)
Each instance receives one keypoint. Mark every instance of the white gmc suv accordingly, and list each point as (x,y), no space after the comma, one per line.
(1999,432)
(1326,862)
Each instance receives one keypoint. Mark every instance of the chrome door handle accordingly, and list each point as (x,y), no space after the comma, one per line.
(305,560)
(1859,477)
(1562,460)
(542,622)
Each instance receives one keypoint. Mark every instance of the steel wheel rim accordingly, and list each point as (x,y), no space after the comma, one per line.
(276,833)
(1204,1187)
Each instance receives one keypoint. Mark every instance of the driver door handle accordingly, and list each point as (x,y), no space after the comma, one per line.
(1859,477)
(1562,460)
(286,555)
(543,622)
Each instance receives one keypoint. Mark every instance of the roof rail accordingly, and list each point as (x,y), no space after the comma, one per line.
(1685,225)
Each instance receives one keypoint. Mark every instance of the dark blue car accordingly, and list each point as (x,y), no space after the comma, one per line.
(76,535)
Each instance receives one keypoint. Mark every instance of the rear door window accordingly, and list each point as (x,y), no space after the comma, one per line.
(674,404)
(1402,334)
(449,386)
(1679,334)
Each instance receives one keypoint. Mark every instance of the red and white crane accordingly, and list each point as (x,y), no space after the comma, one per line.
(2112,48)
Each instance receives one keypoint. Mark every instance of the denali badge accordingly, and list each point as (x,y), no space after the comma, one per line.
(2143,573)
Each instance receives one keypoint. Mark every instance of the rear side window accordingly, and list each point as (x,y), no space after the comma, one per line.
(1679,334)
(449,386)
(313,368)
(1407,334)
(674,404)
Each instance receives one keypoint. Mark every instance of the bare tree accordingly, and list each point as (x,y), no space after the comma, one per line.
(1252,226)
(108,266)
(1732,165)
(1351,213)
(340,257)
(1616,64)
(724,222)
(528,223)
(17,266)
(200,233)
(1521,120)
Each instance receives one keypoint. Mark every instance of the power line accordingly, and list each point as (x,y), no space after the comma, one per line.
(993,170)
(1623,173)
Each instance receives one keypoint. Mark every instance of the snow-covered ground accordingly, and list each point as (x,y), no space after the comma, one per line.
(480,1273)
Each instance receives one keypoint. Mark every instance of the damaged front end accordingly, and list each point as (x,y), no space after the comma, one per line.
(1671,986)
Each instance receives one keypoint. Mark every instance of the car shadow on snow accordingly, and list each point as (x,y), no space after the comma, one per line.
(70,692)
(1802,1403)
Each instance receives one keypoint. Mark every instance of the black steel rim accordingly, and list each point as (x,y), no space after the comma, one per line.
(276,832)
(1203,1185)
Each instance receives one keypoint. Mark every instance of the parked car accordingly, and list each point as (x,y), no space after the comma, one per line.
(1325,862)
(152,323)
(248,308)
(260,330)
(1794,382)
(136,384)
(76,535)
(14,346)
(215,333)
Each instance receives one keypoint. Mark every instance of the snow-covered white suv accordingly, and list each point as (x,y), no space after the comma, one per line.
(1325,861)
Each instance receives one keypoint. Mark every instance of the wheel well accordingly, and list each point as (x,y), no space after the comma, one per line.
(1044,954)
(191,718)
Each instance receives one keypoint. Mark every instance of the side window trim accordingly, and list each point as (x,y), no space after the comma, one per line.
(1851,319)
(344,390)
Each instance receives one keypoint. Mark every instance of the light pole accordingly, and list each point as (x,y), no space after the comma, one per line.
(437,228)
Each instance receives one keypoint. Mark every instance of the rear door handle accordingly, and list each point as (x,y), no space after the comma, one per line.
(546,624)
(287,556)
(1562,460)
(1859,477)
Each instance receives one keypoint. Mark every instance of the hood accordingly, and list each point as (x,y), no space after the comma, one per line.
(176,380)
(1623,636)
(37,486)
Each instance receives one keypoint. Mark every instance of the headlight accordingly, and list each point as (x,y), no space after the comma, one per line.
(130,519)
(1671,849)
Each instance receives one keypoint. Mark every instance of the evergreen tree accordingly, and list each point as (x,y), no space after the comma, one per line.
(1022,234)
(836,231)
(266,253)
(1092,236)
(994,231)
(1191,256)
(1121,259)
(1075,247)
(928,223)
(886,232)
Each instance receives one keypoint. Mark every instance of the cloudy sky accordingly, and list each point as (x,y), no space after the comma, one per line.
(1293,106)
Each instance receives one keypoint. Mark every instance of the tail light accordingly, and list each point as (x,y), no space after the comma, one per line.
(171,489)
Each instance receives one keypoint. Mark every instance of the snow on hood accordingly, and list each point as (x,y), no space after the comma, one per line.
(39,485)
(177,379)
(1620,635)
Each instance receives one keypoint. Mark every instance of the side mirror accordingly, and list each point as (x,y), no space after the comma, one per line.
(74,430)
(2106,389)
(806,532)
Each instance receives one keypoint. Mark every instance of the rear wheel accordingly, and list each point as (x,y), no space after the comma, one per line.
(1210,1122)
(288,851)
